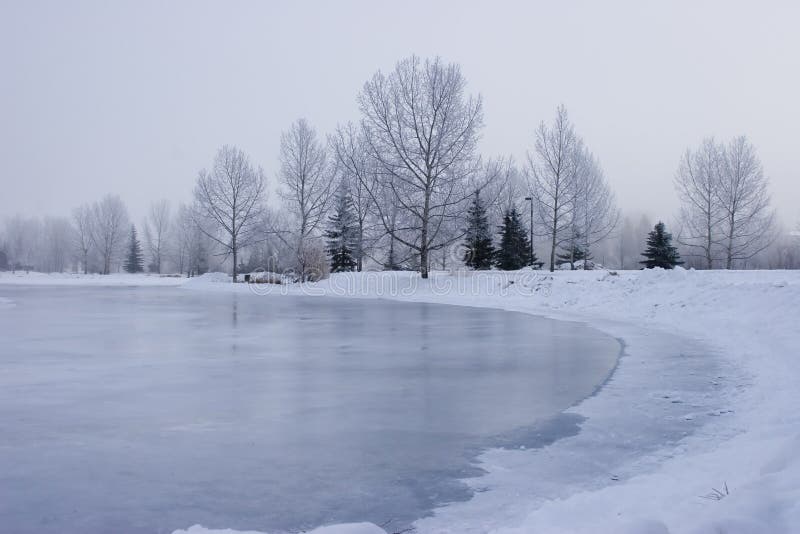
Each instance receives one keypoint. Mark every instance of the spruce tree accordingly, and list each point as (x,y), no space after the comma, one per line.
(134,262)
(659,251)
(342,233)
(479,252)
(515,249)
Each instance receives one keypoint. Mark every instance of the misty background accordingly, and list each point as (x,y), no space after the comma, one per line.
(134,98)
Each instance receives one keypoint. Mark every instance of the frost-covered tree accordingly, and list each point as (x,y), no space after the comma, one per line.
(479,250)
(229,200)
(596,215)
(191,246)
(659,251)
(746,218)
(342,232)
(82,222)
(554,173)
(514,251)
(57,239)
(23,235)
(108,229)
(422,131)
(697,182)
(725,208)
(307,182)
(134,260)
(156,229)
(359,169)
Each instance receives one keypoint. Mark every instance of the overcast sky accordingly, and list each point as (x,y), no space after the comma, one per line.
(135,97)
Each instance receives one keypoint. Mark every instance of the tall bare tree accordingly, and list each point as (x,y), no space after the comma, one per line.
(57,238)
(422,131)
(156,229)
(82,219)
(697,182)
(747,221)
(229,200)
(358,169)
(554,173)
(308,185)
(109,229)
(596,215)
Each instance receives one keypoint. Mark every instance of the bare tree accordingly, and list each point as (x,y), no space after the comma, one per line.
(57,239)
(358,169)
(191,246)
(109,229)
(596,215)
(747,221)
(229,200)
(22,236)
(553,173)
(422,131)
(82,219)
(156,229)
(697,182)
(308,186)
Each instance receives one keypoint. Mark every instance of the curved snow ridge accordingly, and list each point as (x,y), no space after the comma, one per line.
(344,528)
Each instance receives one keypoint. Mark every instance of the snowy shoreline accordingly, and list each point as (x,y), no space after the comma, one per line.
(748,321)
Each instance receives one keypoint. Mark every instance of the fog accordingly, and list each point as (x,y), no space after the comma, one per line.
(134,98)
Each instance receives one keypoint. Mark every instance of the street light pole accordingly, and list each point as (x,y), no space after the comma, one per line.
(530,237)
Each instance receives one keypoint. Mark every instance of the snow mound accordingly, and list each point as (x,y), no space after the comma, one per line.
(208,278)
(344,528)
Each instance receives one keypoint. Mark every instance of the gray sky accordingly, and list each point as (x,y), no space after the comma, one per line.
(134,97)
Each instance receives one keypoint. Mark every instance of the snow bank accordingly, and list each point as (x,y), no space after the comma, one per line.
(345,528)
(206,279)
(70,279)
(750,318)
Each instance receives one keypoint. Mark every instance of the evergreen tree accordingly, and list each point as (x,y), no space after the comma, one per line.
(342,233)
(134,262)
(479,251)
(515,249)
(659,251)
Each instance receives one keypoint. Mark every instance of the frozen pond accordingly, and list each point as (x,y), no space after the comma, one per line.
(143,410)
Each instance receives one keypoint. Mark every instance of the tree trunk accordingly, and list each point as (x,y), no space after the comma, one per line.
(235,254)
(423,251)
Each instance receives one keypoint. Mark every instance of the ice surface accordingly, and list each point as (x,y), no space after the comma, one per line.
(152,409)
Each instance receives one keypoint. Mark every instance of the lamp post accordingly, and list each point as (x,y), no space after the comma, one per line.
(530,236)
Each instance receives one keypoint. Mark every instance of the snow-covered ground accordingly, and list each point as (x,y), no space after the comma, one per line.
(68,279)
(750,323)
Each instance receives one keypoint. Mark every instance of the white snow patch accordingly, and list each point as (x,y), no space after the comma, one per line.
(344,528)
(76,279)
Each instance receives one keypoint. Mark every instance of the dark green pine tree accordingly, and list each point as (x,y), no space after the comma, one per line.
(659,251)
(515,249)
(342,233)
(479,252)
(134,262)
